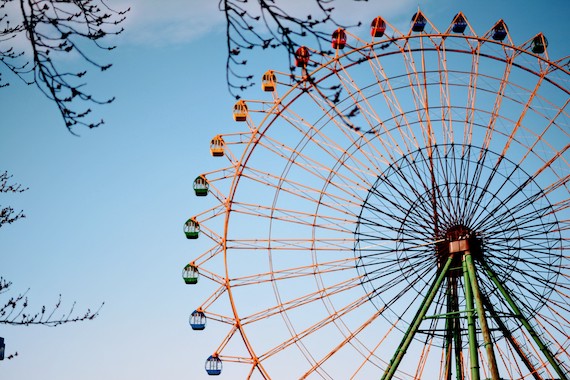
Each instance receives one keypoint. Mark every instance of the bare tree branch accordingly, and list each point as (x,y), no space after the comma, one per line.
(262,24)
(53,29)
(7,214)
(15,311)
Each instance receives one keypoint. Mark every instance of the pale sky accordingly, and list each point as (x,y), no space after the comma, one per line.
(104,211)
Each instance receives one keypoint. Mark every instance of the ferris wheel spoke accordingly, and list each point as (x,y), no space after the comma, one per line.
(312,329)
(471,108)
(338,201)
(445,97)
(278,275)
(406,135)
(347,340)
(292,244)
(354,333)
(321,139)
(395,206)
(304,300)
(362,106)
(540,136)
(319,169)
(358,140)
(522,208)
(286,216)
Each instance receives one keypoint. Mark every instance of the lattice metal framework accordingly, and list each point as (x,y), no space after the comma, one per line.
(398,210)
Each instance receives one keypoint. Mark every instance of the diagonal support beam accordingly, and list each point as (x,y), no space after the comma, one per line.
(471,328)
(492,361)
(517,311)
(414,326)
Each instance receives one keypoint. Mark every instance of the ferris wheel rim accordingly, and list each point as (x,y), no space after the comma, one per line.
(273,114)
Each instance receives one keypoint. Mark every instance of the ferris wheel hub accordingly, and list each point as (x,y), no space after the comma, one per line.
(458,240)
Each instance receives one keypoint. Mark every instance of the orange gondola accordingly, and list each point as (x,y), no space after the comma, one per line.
(240,111)
(217,146)
(268,81)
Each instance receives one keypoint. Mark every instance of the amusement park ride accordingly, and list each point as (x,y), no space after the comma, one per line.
(399,210)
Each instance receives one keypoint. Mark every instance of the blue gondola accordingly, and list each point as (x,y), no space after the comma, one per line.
(459,24)
(197,320)
(418,22)
(213,365)
(500,31)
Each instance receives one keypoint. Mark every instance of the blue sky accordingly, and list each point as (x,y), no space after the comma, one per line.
(105,210)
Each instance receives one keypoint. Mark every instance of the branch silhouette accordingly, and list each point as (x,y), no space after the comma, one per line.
(54,30)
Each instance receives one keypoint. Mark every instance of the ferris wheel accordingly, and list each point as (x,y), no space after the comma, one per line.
(399,210)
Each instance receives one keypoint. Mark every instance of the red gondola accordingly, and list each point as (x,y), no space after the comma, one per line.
(377,27)
(302,56)
(339,39)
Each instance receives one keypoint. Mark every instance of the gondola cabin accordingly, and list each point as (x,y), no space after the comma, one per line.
(190,274)
(459,24)
(201,186)
(302,56)
(418,22)
(198,320)
(339,39)
(268,81)
(240,111)
(539,44)
(377,27)
(499,31)
(191,229)
(217,146)
(213,365)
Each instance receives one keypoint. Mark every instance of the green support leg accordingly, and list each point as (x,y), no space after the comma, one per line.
(473,357)
(414,326)
(492,361)
(448,332)
(507,334)
(517,311)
